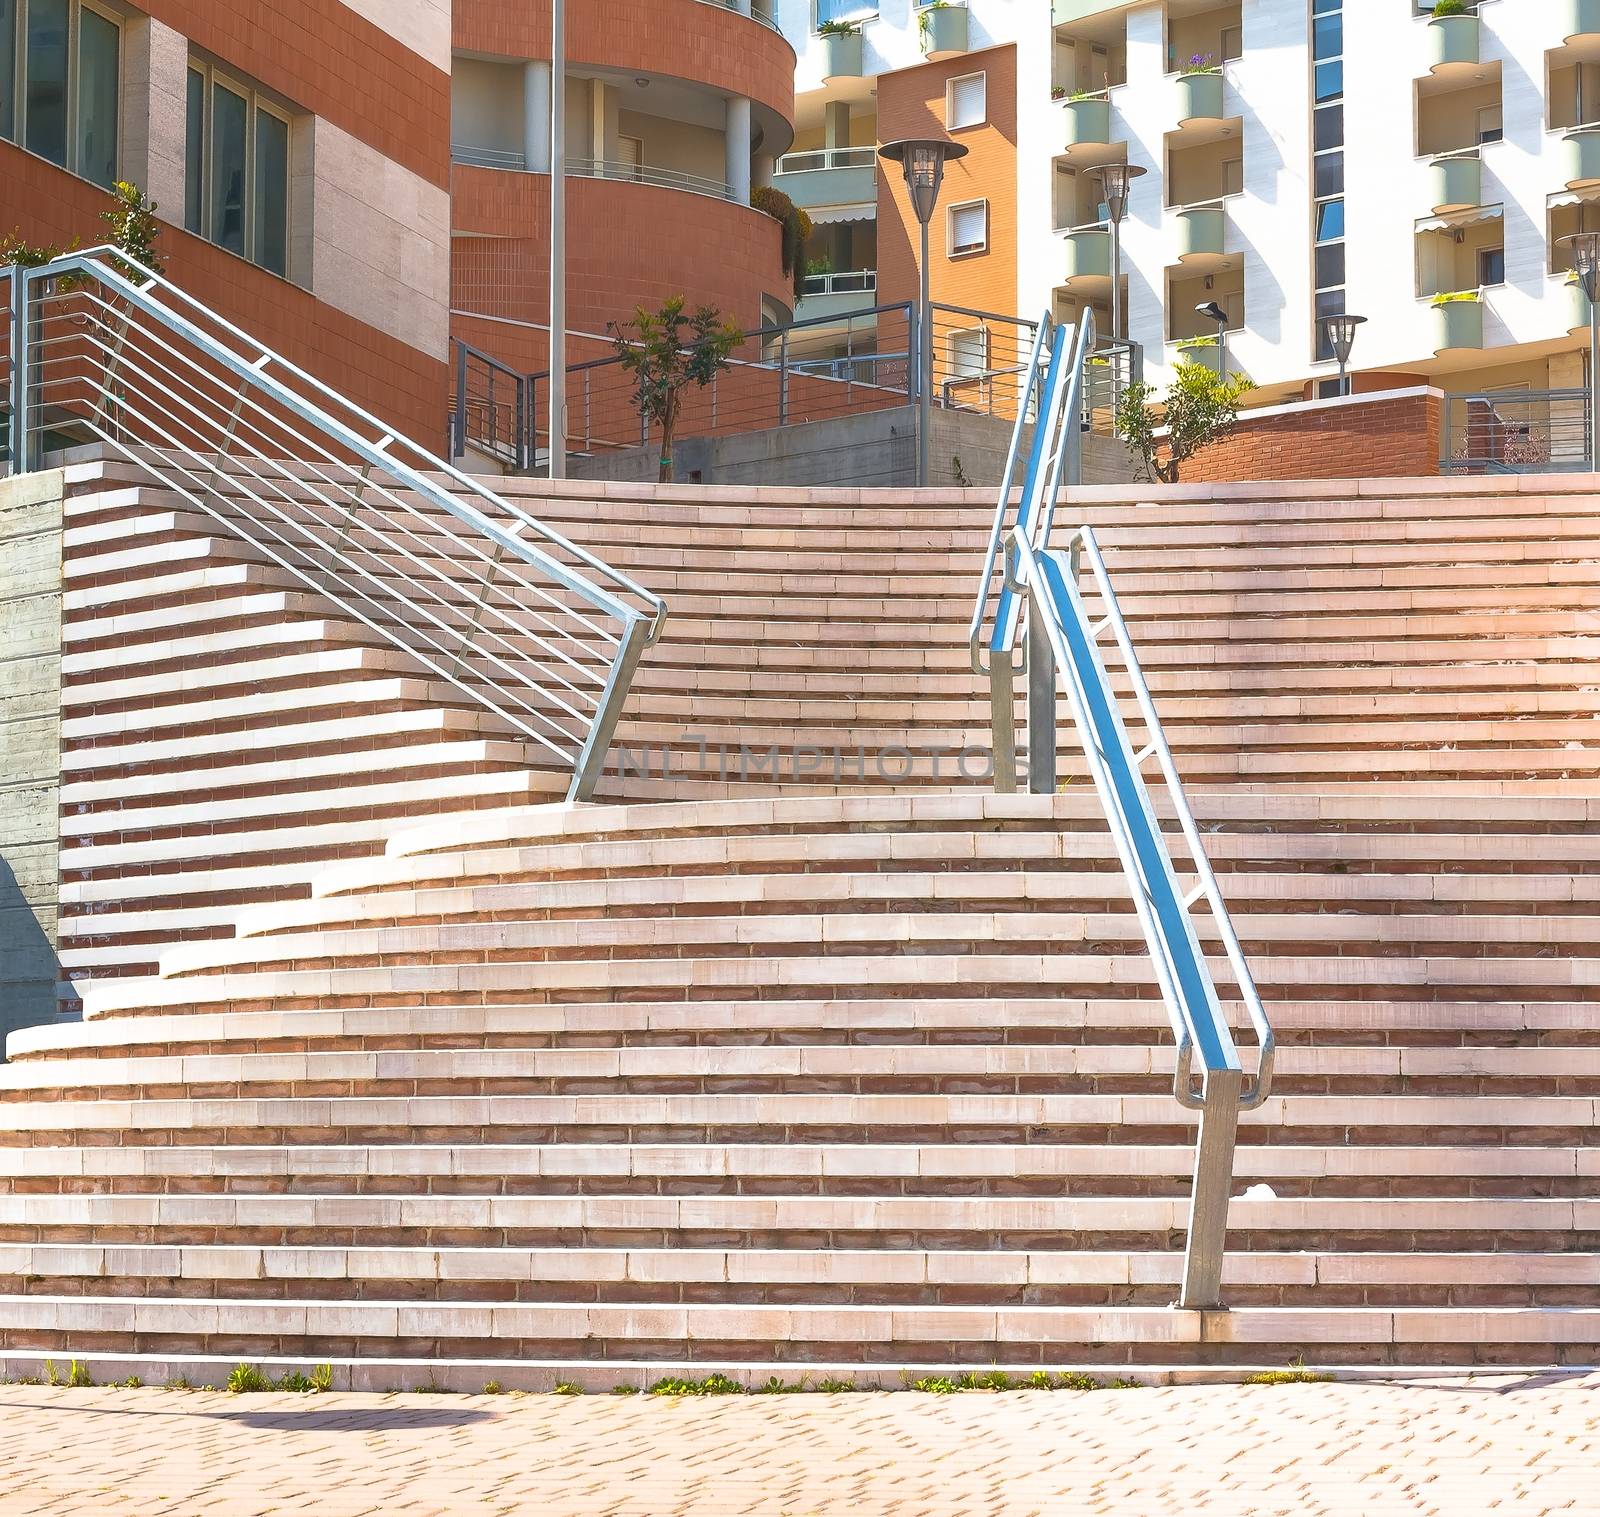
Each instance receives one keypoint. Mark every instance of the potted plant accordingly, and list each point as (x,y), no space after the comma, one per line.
(1200,89)
(943,25)
(1454,25)
(1058,92)
(1459,318)
(841,50)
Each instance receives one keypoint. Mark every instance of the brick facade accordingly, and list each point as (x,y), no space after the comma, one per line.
(1397,435)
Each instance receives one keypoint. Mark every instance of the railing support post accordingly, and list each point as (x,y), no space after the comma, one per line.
(1003,721)
(591,761)
(1041,704)
(524,411)
(1208,1203)
(458,420)
(783,378)
(21,375)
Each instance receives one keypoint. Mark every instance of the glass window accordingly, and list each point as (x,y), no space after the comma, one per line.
(98,41)
(1330,220)
(1327,36)
(1330,264)
(1329,303)
(1328,127)
(1329,175)
(194,158)
(45,68)
(271,197)
(8,69)
(1329,81)
(228,114)
(1491,266)
(966,101)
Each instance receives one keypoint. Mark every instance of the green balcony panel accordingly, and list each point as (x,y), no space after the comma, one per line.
(1088,123)
(1088,254)
(1207,354)
(1583,19)
(1200,97)
(1457,184)
(944,31)
(1201,230)
(841,55)
(1458,324)
(1455,40)
(1583,158)
(1577,309)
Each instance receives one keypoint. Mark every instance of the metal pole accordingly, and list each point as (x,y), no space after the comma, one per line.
(21,377)
(1222,350)
(1116,280)
(1041,704)
(1594,386)
(925,365)
(1208,1202)
(558,240)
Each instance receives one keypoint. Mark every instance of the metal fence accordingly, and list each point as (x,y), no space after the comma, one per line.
(481,594)
(1516,432)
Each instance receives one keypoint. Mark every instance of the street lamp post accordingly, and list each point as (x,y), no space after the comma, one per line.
(1213,312)
(1585,250)
(922,160)
(1341,334)
(1115,181)
(558,240)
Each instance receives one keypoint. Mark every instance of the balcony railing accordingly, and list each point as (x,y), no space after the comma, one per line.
(847,282)
(488,157)
(597,168)
(757,10)
(1516,432)
(827,158)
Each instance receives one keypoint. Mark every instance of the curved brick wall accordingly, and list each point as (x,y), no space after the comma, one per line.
(627,245)
(684,38)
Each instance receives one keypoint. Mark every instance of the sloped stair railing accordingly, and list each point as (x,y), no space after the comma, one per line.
(1067,614)
(522,621)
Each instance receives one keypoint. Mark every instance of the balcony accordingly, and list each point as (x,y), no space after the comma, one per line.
(1086,258)
(1457,322)
(1086,131)
(1457,180)
(829,176)
(1200,97)
(1583,157)
(596,168)
(1455,44)
(1577,307)
(1583,24)
(944,30)
(842,55)
(824,295)
(1205,351)
(1203,235)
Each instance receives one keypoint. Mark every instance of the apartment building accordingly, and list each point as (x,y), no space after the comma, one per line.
(297,153)
(674,112)
(1300,158)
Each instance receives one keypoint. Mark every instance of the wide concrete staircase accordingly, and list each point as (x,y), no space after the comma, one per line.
(803,1064)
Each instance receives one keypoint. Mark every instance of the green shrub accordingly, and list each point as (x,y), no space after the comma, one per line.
(246,1378)
(1451,8)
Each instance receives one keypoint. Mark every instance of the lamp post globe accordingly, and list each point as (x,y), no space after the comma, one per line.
(1116,181)
(922,161)
(1340,332)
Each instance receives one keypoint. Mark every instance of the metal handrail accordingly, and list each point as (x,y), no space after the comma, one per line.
(639,173)
(468,583)
(489,157)
(512,444)
(1064,636)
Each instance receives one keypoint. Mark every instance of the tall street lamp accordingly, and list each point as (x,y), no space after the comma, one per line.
(922,160)
(1585,250)
(1340,332)
(1115,181)
(1213,312)
(558,239)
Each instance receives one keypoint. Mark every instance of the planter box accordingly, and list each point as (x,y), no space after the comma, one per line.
(1088,123)
(1201,231)
(1583,158)
(1199,97)
(1455,40)
(841,56)
(1458,324)
(1583,19)
(944,31)
(1457,184)
(1087,255)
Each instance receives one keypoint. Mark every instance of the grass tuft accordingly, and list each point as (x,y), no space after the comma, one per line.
(712,1385)
(247,1379)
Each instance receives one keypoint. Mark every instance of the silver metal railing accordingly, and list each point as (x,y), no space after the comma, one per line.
(1066,619)
(1516,432)
(486,597)
(641,173)
(490,407)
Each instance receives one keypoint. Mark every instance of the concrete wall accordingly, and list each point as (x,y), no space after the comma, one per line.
(30,741)
(875,449)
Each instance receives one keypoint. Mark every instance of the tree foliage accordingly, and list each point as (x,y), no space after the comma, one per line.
(796,229)
(666,352)
(1200,408)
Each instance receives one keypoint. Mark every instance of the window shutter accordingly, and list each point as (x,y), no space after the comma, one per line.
(969,227)
(968,101)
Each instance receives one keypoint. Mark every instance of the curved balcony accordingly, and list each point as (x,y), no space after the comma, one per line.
(829,176)
(1583,157)
(1086,132)
(842,54)
(1202,234)
(1577,308)
(1583,23)
(1200,97)
(944,31)
(1205,351)
(1457,182)
(1457,324)
(1086,257)
(1456,43)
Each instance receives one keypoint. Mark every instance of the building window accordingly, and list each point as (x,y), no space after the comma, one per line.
(60,83)
(968,227)
(1491,124)
(236,184)
(1491,266)
(966,101)
(845,10)
(1327,167)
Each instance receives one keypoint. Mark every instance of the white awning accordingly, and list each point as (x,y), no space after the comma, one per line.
(828,215)
(1586,196)
(1461,218)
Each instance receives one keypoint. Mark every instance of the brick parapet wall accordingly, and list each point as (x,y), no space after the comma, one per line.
(1394,435)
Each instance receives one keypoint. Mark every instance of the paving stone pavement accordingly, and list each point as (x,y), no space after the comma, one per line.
(1510,1445)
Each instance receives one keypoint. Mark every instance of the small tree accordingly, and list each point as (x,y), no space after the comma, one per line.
(668,351)
(1200,408)
(132,225)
